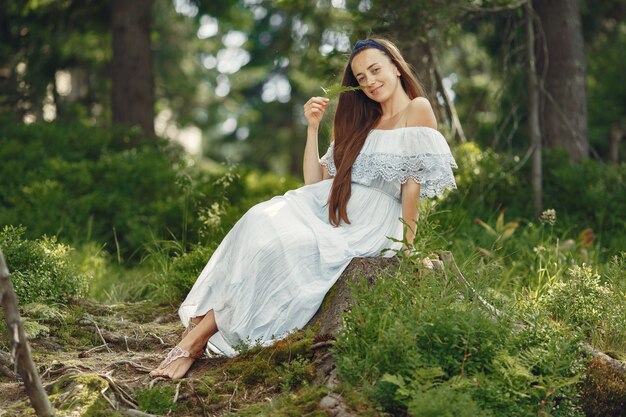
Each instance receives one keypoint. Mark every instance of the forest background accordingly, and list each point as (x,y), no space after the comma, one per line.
(133,135)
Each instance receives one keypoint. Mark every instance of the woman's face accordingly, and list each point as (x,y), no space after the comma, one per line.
(376,74)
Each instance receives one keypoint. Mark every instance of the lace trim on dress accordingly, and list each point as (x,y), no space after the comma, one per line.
(417,152)
(433,172)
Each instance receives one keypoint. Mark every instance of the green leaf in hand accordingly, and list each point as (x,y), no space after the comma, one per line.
(336,89)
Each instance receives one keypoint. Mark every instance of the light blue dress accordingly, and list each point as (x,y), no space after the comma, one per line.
(271,272)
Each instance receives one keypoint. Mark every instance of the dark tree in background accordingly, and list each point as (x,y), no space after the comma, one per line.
(562,67)
(132,68)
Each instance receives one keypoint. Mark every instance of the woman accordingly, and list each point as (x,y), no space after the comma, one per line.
(271,272)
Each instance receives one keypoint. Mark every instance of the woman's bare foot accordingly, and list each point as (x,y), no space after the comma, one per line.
(178,361)
(190,348)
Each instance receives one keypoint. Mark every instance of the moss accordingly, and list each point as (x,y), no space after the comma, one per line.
(81,395)
(603,390)
(42,312)
(35,330)
(158,400)
(328,297)
(296,344)
(101,408)
(22,408)
(143,312)
(259,372)
(304,402)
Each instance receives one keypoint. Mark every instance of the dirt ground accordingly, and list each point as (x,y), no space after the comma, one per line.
(94,360)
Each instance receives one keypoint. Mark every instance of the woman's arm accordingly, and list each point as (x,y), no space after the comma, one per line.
(420,113)
(312,170)
(410,212)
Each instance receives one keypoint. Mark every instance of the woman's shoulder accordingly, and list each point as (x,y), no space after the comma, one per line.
(406,142)
(420,113)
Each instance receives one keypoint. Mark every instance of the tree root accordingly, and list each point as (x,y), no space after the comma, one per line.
(121,339)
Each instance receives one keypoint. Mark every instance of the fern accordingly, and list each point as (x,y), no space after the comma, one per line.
(336,89)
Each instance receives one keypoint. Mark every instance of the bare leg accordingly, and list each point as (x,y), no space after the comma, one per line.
(193,342)
(193,322)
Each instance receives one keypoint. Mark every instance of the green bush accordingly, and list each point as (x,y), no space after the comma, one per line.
(41,270)
(586,195)
(584,301)
(84,183)
(583,194)
(415,342)
(176,275)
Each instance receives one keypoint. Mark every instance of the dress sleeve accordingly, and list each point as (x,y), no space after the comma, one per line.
(328,161)
(417,153)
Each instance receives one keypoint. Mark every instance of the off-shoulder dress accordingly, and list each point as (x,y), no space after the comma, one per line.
(271,272)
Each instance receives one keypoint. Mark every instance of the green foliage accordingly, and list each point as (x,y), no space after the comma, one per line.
(58,182)
(416,343)
(41,270)
(337,89)
(296,373)
(581,194)
(302,403)
(606,66)
(584,194)
(157,400)
(175,279)
(583,300)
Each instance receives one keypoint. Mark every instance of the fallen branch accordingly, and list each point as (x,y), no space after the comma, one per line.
(615,363)
(177,393)
(6,371)
(68,371)
(324,344)
(24,364)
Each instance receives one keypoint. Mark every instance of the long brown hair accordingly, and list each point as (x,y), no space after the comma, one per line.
(355,117)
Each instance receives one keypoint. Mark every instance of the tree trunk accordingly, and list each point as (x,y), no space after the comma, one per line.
(534,132)
(562,68)
(419,52)
(21,351)
(132,68)
(448,102)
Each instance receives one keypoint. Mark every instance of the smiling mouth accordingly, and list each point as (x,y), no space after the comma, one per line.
(374,90)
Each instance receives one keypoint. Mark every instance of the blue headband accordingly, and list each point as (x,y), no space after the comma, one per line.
(367,43)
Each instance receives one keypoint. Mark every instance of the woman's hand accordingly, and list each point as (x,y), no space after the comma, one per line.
(314,110)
